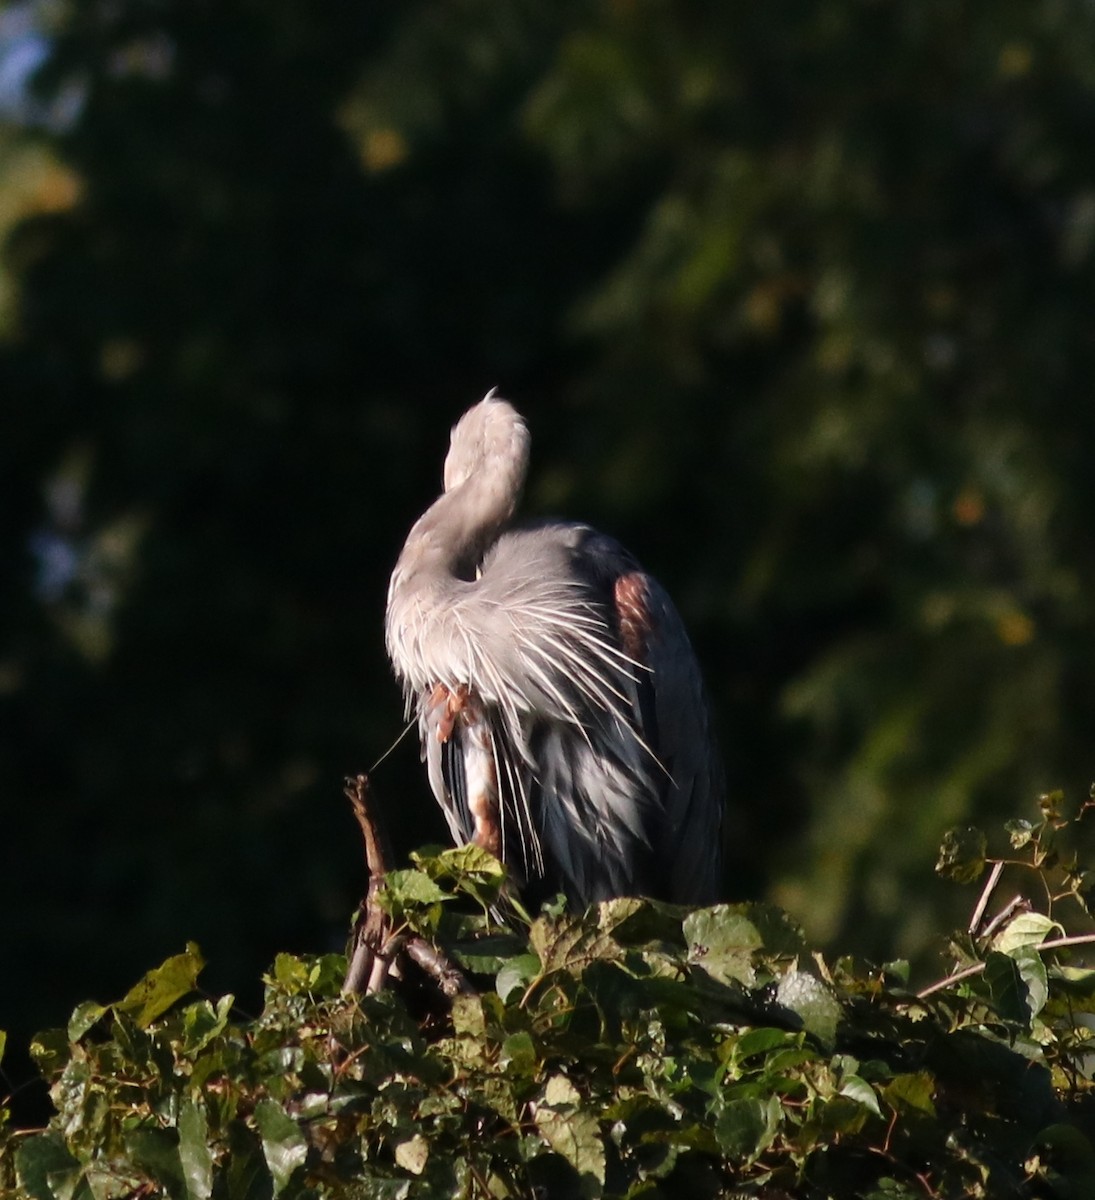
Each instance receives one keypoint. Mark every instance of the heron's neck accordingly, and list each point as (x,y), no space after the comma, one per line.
(449,539)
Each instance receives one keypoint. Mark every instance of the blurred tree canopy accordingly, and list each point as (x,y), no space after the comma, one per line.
(798,301)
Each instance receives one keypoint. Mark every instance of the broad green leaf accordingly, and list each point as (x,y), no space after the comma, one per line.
(722,941)
(202,1022)
(1033,973)
(1026,929)
(861,1092)
(42,1162)
(1017,983)
(962,854)
(468,1016)
(410,888)
(413,1155)
(162,987)
(519,1053)
(156,1151)
(470,859)
(51,1050)
(572,1132)
(745,1128)
(84,1017)
(194,1153)
(760,1040)
(571,943)
(780,934)
(291,973)
(516,975)
(813,1002)
(283,1144)
(3,1043)
(911,1093)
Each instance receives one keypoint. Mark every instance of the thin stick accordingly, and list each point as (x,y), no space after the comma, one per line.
(376,953)
(368,970)
(982,904)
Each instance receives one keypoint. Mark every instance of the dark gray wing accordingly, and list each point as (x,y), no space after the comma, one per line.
(673,718)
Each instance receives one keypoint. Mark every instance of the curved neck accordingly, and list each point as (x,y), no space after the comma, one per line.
(452,535)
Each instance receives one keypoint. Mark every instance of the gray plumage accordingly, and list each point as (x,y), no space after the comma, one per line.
(560,706)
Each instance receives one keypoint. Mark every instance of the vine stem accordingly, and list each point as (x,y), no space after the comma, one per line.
(1082,939)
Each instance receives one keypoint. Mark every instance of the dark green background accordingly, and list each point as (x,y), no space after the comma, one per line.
(799,302)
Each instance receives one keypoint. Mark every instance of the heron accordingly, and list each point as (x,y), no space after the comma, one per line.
(561,710)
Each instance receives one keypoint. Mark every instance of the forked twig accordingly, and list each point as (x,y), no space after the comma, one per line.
(377,950)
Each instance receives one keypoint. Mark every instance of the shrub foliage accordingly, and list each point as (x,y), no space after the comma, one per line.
(637,1049)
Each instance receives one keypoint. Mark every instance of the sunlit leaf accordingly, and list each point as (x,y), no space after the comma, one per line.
(283,1144)
(722,940)
(413,1155)
(204,1021)
(410,887)
(861,1092)
(911,1093)
(813,1002)
(163,987)
(572,1132)
(194,1152)
(516,974)
(1026,929)
(84,1017)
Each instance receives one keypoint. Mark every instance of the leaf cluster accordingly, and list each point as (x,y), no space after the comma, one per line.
(637,1049)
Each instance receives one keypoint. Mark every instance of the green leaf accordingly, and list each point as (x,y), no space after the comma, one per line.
(202,1022)
(162,987)
(410,888)
(519,1054)
(745,1128)
(760,1040)
(470,859)
(156,1151)
(572,1132)
(911,1093)
(51,1051)
(283,1144)
(194,1153)
(813,1002)
(722,941)
(44,1166)
(1033,973)
(291,973)
(962,854)
(1017,983)
(780,934)
(84,1017)
(1026,929)
(516,975)
(861,1092)
(468,1016)
(571,943)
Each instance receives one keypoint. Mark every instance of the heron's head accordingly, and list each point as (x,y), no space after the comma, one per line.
(491,434)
